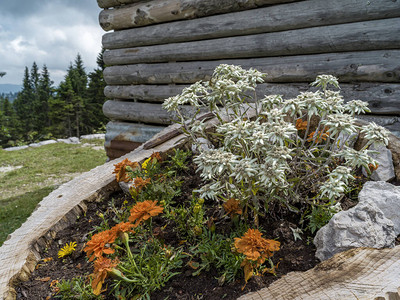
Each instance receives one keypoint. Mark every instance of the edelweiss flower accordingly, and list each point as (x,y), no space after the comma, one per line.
(119,169)
(143,211)
(102,267)
(99,244)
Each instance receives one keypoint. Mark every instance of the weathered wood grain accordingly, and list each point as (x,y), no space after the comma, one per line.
(141,112)
(380,66)
(359,36)
(358,274)
(148,93)
(383,98)
(159,11)
(113,3)
(283,17)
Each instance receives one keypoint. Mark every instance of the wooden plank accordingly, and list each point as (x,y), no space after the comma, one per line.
(148,93)
(383,98)
(381,66)
(360,36)
(160,11)
(140,112)
(283,17)
(113,3)
(356,274)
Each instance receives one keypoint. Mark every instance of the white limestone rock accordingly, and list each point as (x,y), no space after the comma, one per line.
(385,171)
(74,140)
(361,226)
(386,197)
(16,148)
(93,136)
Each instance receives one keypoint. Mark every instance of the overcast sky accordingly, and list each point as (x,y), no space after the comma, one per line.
(49,32)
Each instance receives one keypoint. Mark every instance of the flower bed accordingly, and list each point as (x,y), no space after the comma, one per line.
(264,160)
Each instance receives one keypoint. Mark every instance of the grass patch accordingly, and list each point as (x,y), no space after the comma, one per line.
(43,169)
(18,209)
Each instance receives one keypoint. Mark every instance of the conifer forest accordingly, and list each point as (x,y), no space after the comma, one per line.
(43,111)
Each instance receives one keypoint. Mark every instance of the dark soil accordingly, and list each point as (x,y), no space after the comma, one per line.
(294,255)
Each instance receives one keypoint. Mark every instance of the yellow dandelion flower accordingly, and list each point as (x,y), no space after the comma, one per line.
(67,249)
(145,163)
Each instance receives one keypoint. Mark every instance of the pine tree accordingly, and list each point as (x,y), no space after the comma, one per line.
(23,106)
(93,114)
(44,94)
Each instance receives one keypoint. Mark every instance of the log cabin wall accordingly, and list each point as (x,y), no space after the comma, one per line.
(155,48)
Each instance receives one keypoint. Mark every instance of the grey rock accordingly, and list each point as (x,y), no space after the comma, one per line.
(66,141)
(385,171)
(16,148)
(34,145)
(125,186)
(386,197)
(345,138)
(361,226)
(74,140)
(204,145)
(93,136)
(47,142)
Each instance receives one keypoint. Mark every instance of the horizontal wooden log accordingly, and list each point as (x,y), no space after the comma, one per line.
(360,36)
(114,3)
(283,17)
(141,112)
(148,93)
(381,66)
(383,98)
(160,11)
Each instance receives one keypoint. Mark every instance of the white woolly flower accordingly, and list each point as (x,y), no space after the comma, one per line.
(333,188)
(323,81)
(357,107)
(293,107)
(376,133)
(340,123)
(314,103)
(190,95)
(215,162)
(355,159)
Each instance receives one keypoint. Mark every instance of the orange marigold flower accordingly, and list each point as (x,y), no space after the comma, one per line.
(319,136)
(99,244)
(157,156)
(120,172)
(140,183)
(102,267)
(232,207)
(255,247)
(301,125)
(121,228)
(373,167)
(143,211)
